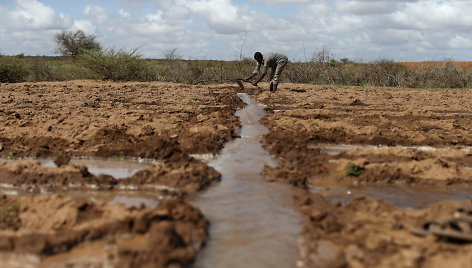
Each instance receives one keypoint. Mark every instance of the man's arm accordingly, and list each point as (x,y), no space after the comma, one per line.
(250,77)
(258,79)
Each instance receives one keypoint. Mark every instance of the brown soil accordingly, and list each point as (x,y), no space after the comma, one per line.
(31,176)
(372,233)
(64,231)
(161,121)
(61,120)
(106,119)
(168,122)
(464,65)
(305,120)
(300,122)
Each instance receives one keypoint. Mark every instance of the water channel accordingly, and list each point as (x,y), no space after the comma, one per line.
(253,222)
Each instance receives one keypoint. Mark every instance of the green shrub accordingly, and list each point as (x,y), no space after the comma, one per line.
(41,71)
(353,169)
(73,43)
(12,69)
(116,65)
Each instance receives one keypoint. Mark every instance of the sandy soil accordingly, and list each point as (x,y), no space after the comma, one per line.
(102,119)
(302,118)
(372,233)
(106,119)
(64,231)
(168,122)
(61,120)
(308,126)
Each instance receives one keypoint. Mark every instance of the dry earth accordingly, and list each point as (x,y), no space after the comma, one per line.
(168,122)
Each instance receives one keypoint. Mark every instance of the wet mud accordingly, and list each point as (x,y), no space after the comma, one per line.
(59,210)
(369,164)
(374,164)
(301,122)
(72,231)
(105,119)
(373,233)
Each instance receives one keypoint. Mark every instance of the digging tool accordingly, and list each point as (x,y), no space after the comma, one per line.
(240,83)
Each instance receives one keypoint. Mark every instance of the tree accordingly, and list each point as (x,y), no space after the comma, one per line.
(73,43)
(171,54)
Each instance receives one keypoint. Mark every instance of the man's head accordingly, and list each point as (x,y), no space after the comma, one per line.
(258,57)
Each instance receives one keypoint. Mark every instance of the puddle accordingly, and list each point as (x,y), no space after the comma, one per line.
(203,157)
(117,168)
(253,222)
(133,201)
(400,196)
(129,199)
(335,149)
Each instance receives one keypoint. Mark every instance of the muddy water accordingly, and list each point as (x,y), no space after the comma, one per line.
(335,149)
(400,196)
(253,222)
(404,196)
(117,168)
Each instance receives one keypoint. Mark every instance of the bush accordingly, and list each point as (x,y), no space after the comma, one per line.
(116,65)
(74,43)
(12,69)
(41,71)
(353,169)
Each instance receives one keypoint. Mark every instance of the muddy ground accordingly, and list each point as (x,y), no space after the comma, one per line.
(423,138)
(63,120)
(170,122)
(166,122)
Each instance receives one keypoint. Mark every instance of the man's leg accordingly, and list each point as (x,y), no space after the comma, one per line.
(271,77)
(278,71)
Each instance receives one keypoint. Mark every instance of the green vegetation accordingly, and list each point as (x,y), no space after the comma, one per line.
(116,65)
(74,43)
(11,153)
(353,169)
(12,69)
(12,210)
(322,68)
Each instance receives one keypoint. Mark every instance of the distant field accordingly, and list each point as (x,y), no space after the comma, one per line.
(384,73)
(464,65)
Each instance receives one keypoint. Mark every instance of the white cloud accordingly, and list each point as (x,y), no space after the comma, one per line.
(97,14)
(293,2)
(366,7)
(221,15)
(368,29)
(32,14)
(29,28)
(83,25)
(434,15)
(177,12)
(460,42)
(123,13)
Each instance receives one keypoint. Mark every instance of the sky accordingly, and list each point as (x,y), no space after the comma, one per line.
(360,30)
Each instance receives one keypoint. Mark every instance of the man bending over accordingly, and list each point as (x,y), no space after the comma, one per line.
(275,61)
